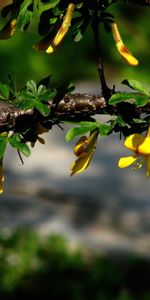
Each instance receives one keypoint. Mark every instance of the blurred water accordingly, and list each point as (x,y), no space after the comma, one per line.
(104,208)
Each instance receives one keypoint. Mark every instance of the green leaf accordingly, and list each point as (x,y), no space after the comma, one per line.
(141,100)
(42,108)
(24,16)
(41,89)
(78,36)
(136,85)
(43,7)
(22,147)
(12,83)
(31,86)
(104,129)
(120,97)
(3,143)
(139,121)
(4,90)
(133,98)
(26,104)
(47,95)
(84,124)
(78,131)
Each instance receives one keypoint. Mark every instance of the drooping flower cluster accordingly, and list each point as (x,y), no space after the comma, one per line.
(84,150)
(122,49)
(50,42)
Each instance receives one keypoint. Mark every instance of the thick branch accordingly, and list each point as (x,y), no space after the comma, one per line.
(77,106)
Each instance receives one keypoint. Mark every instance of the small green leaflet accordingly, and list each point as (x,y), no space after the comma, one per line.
(42,108)
(3,143)
(31,87)
(133,98)
(73,132)
(35,104)
(25,15)
(104,129)
(12,84)
(4,91)
(16,143)
(85,127)
(43,7)
(136,85)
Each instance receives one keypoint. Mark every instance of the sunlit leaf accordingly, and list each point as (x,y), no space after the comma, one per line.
(16,143)
(3,143)
(136,85)
(73,132)
(104,129)
(4,90)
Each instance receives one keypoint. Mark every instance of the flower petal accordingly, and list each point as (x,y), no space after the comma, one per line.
(123,51)
(8,30)
(45,44)
(126,54)
(80,146)
(65,25)
(126,161)
(80,164)
(133,141)
(144,148)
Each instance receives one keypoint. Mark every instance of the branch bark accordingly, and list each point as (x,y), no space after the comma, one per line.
(72,106)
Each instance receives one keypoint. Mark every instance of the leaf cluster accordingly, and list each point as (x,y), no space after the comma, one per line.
(49,16)
(33,97)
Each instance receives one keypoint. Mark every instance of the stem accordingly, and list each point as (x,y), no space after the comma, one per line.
(148,132)
(106,92)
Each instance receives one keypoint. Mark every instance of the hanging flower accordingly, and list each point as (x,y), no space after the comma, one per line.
(123,51)
(1,176)
(39,130)
(48,44)
(8,30)
(140,146)
(84,150)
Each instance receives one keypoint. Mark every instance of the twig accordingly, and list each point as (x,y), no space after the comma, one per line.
(106,92)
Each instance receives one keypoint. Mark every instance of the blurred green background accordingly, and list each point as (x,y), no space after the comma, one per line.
(76,61)
(48,269)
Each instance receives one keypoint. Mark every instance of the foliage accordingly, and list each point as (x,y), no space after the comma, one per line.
(31,267)
(52,20)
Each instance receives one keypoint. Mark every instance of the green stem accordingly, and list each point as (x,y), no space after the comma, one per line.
(148,132)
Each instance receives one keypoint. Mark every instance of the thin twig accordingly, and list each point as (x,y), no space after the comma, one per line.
(106,92)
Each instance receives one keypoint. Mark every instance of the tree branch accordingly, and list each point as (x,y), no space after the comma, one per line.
(72,106)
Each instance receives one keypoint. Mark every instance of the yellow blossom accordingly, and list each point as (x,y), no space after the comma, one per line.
(48,44)
(8,30)
(84,150)
(140,146)
(123,51)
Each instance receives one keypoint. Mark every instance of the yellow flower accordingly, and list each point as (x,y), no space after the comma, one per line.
(123,51)
(1,176)
(8,30)
(84,150)
(140,146)
(48,44)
